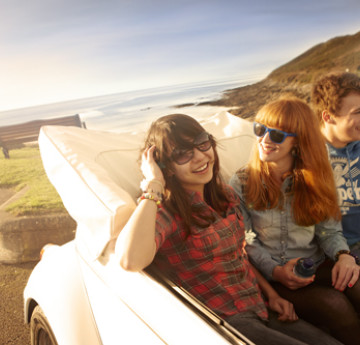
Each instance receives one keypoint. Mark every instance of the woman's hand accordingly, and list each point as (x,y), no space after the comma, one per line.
(345,272)
(286,276)
(284,308)
(276,303)
(149,167)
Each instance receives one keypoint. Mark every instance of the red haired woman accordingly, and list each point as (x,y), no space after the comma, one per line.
(289,203)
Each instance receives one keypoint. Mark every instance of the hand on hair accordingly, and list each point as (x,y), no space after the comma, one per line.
(286,276)
(345,272)
(149,167)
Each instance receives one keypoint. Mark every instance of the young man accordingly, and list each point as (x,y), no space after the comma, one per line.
(336,100)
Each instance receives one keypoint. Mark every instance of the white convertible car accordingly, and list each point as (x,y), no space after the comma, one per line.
(78,294)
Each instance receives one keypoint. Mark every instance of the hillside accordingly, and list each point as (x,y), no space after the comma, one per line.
(295,77)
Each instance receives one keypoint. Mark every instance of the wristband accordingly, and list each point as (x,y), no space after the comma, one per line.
(343,251)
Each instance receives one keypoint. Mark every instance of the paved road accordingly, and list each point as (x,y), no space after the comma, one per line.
(13,278)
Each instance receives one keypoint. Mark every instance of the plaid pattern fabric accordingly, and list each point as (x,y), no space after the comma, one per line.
(211,263)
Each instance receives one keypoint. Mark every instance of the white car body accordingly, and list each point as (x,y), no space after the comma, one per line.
(83,292)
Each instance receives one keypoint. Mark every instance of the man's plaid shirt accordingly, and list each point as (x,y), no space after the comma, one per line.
(211,263)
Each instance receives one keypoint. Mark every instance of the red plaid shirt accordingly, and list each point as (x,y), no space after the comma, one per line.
(211,263)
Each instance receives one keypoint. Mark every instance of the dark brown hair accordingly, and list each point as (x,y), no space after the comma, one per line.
(176,131)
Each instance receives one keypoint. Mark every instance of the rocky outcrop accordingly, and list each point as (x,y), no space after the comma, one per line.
(340,54)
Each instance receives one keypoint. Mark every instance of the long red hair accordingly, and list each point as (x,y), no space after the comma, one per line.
(314,190)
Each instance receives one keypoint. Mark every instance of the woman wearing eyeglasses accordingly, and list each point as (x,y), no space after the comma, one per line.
(289,203)
(190,223)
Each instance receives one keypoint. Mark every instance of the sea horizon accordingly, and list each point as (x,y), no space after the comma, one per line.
(131,110)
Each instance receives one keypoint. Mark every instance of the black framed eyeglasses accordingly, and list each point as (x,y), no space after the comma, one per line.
(202,142)
(276,135)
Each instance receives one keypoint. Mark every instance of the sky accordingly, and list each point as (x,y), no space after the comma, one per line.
(58,50)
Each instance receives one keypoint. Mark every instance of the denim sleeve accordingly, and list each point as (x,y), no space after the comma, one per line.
(258,256)
(236,185)
(330,237)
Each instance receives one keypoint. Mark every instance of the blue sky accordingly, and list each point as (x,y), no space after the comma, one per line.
(56,50)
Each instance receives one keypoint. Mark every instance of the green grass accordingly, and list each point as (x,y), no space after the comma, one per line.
(25,169)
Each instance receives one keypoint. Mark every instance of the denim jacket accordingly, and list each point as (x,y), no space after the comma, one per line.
(273,238)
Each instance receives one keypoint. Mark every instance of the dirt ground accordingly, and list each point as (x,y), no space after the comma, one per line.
(13,278)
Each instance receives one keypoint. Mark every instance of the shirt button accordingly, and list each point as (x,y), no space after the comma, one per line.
(230,233)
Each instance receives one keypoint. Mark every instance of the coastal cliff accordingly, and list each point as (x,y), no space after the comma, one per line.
(340,54)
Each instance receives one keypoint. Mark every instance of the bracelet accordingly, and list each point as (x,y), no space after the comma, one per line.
(152,191)
(149,196)
(144,185)
(344,251)
(357,260)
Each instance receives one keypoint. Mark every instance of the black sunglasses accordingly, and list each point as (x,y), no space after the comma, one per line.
(202,142)
(276,135)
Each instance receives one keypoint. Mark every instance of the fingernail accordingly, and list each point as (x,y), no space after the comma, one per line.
(350,285)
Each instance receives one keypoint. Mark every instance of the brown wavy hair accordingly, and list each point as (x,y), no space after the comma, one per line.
(328,91)
(314,190)
(174,131)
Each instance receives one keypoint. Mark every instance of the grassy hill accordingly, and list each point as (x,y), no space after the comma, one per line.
(339,54)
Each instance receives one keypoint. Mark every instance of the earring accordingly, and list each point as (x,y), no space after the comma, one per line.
(295,151)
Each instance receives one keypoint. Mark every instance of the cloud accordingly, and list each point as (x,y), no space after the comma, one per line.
(61,49)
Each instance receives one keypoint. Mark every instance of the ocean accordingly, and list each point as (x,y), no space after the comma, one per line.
(133,110)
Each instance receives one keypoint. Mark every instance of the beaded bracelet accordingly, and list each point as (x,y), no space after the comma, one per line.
(344,251)
(149,196)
